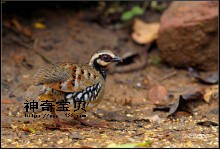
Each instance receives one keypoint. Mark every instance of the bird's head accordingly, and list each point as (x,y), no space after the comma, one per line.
(103,58)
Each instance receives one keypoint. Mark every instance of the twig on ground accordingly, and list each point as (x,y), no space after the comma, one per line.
(26,46)
(168,76)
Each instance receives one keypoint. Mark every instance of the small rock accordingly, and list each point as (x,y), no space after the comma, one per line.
(158,95)
(138,84)
(129,115)
(214,111)
(60,141)
(19,98)
(76,135)
(154,118)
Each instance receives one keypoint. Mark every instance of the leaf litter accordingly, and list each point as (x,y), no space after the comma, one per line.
(210,79)
(137,124)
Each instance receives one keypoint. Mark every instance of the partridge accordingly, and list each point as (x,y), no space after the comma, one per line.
(71,82)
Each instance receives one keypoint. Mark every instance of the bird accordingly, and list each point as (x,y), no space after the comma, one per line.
(71,83)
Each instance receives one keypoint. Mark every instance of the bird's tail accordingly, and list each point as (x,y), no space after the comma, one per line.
(32,100)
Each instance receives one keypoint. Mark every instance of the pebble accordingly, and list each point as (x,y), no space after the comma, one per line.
(129,115)
(138,84)
(19,98)
(76,135)
(60,141)
(44,145)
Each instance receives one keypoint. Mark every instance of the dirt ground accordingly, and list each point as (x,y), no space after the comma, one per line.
(126,110)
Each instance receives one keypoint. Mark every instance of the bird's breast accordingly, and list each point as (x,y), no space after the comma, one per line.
(86,99)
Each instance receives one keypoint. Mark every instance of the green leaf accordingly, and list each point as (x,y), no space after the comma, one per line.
(127,16)
(144,144)
(131,145)
(136,10)
(156,60)
(32,130)
(127,145)
(158,7)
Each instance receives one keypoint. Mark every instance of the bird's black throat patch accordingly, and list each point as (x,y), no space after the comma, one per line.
(100,68)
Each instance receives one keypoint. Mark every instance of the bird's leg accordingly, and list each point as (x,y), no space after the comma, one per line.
(99,125)
(55,118)
(58,124)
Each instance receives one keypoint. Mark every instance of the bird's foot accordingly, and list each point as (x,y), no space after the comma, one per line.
(59,125)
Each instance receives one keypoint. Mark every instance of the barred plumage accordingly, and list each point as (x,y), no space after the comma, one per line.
(73,82)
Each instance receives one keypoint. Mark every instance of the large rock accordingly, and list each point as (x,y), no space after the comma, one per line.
(188,34)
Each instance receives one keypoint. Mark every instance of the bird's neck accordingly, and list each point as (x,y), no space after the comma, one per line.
(100,69)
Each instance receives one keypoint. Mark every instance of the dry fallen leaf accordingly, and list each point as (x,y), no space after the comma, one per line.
(19,58)
(211,93)
(7,101)
(18,27)
(39,25)
(27,31)
(28,129)
(144,33)
(210,79)
(187,102)
(16,24)
(207,123)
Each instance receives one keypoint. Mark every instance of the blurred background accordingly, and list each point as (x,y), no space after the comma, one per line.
(164,94)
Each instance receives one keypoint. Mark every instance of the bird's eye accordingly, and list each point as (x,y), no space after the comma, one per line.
(106,58)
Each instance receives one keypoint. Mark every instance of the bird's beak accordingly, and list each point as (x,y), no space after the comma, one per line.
(117,59)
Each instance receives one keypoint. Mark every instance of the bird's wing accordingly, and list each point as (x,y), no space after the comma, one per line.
(51,73)
(67,77)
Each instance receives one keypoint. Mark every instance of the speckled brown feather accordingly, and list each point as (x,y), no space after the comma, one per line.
(53,81)
(67,77)
(52,73)
(70,82)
